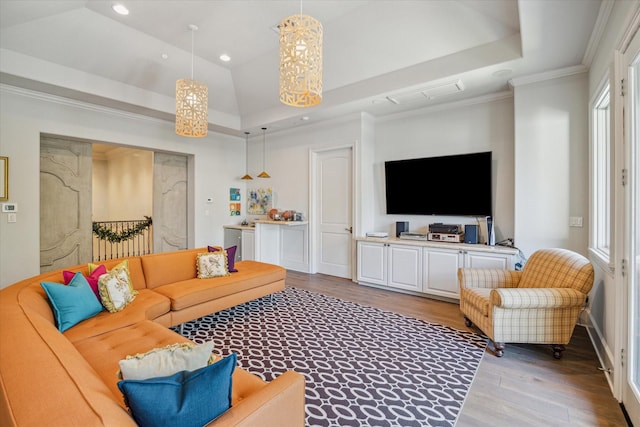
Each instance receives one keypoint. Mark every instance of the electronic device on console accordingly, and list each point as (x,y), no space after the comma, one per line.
(378,234)
(446,237)
(439,232)
(439,227)
(412,236)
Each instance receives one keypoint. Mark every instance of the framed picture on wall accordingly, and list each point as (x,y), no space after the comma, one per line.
(4,178)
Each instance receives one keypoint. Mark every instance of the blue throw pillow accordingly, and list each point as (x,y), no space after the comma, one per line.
(183,399)
(72,303)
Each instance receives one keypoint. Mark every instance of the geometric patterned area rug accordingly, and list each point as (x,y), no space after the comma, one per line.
(363,366)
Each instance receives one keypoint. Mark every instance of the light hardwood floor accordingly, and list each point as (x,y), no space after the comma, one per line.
(526,387)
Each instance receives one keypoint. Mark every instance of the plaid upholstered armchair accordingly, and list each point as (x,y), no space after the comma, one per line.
(538,305)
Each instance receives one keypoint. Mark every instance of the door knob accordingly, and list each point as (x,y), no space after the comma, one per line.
(350,229)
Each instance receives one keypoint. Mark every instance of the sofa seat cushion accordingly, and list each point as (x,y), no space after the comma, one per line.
(478,298)
(104,351)
(147,305)
(251,274)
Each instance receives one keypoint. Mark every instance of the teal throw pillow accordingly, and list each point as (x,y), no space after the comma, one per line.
(72,303)
(183,399)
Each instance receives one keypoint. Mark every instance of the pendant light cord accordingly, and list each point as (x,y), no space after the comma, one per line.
(246,153)
(192,50)
(264,160)
(193,29)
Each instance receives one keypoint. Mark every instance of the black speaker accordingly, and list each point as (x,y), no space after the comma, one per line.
(401,226)
(471,234)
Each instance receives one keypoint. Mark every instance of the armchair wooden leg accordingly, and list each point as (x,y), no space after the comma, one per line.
(498,348)
(468,323)
(557,350)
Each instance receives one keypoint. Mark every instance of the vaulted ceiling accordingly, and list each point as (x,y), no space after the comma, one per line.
(380,57)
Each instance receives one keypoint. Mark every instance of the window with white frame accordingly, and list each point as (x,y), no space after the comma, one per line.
(601,176)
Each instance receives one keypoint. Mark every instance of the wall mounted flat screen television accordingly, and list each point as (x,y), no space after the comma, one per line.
(456,185)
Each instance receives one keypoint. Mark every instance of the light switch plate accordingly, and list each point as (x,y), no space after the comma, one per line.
(12,217)
(575,221)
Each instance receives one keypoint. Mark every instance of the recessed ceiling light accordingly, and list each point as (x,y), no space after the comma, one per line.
(120,9)
(164,56)
(304,118)
(224,57)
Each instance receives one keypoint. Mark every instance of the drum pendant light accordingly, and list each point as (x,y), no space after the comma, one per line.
(300,60)
(192,103)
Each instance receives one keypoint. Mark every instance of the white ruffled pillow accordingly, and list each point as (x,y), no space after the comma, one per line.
(165,361)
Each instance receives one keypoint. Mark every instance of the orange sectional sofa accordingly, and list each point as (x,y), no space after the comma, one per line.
(70,378)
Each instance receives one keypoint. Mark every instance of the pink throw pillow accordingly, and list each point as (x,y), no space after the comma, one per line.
(92,278)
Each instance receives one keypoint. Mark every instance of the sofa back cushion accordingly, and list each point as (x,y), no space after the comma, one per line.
(170,267)
(557,268)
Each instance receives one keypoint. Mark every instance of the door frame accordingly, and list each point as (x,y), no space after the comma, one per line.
(628,380)
(314,205)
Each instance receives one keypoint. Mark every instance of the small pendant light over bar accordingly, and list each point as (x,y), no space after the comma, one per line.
(300,60)
(264,173)
(246,156)
(192,103)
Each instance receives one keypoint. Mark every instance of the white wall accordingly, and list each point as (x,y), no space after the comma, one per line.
(218,165)
(482,126)
(99,186)
(287,159)
(130,184)
(551,164)
(122,185)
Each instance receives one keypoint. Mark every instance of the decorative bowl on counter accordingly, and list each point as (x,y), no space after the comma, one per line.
(287,215)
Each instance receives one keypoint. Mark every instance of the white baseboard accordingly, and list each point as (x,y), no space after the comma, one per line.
(603,351)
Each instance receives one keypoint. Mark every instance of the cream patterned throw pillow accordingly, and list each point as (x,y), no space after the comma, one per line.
(212,264)
(165,361)
(116,289)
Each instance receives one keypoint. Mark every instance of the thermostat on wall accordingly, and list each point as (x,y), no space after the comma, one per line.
(9,207)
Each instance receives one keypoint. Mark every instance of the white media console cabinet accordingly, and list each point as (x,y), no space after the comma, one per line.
(424,267)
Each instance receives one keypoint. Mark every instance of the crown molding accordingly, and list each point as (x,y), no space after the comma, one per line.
(548,75)
(61,100)
(632,25)
(118,108)
(598,30)
(483,99)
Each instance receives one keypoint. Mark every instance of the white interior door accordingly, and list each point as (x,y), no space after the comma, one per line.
(334,192)
(631,385)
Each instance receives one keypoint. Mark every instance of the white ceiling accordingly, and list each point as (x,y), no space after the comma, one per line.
(372,50)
